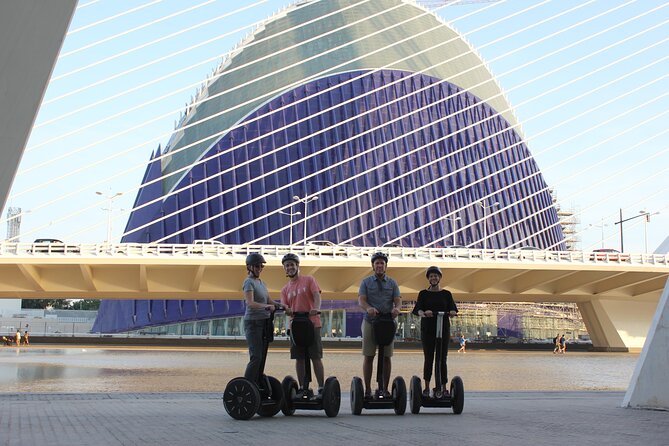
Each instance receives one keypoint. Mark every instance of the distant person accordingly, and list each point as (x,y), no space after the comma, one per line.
(378,294)
(7,340)
(463,344)
(17,337)
(556,344)
(26,338)
(563,344)
(303,295)
(431,301)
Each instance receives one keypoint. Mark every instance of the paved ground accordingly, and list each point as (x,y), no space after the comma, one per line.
(536,418)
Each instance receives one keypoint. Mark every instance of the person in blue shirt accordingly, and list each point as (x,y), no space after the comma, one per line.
(378,294)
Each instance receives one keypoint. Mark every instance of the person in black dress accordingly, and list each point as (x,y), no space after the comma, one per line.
(430,302)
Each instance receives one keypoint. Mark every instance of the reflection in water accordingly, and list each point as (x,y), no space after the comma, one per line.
(151,370)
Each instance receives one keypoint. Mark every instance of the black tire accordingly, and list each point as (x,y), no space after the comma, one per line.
(269,410)
(331,396)
(415,394)
(357,395)
(457,395)
(400,395)
(241,399)
(289,387)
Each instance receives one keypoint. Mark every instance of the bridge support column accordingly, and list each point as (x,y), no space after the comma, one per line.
(602,332)
(648,388)
(617,325)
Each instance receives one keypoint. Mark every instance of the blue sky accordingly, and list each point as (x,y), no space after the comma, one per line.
(599,162)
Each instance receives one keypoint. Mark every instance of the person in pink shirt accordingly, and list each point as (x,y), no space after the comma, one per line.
(302,294)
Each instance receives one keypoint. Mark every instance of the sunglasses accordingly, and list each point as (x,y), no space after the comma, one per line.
(259,265)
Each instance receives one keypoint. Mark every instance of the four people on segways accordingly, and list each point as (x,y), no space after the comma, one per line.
(379,296)
(435,306)
(301,298)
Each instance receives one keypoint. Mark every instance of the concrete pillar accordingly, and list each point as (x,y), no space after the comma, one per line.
(649,388)
(602,332)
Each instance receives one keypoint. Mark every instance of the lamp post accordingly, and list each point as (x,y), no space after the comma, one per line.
(621,221)
(602,225)
(645,228)
(291,214)
(485,220)
(305,200)
(453,221)
(110,204)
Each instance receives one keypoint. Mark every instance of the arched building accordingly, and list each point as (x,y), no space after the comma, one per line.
(380,109)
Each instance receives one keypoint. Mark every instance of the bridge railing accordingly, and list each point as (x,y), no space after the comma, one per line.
(336,252)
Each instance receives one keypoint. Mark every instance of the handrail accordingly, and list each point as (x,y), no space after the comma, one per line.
(10,249)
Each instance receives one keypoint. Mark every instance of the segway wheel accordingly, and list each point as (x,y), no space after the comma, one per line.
(457,395)
(357,395)
(241,399)
(272,407)
(415,394)
(331,396)
(400,395)
(289,387)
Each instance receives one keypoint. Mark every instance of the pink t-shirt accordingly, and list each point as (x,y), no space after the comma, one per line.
(298,294)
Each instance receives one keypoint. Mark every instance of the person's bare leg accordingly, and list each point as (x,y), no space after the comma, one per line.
(318,371)
(367,365)
(387,367)
(299,369)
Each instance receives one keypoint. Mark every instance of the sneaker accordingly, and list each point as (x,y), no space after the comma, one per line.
(368,395)
(426,393)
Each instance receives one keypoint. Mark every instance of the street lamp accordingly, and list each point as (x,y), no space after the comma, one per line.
(291,214)
(621,221)
(645,228)
(602,225)
(110,204)
(453,221)
(305,200)
(485,220)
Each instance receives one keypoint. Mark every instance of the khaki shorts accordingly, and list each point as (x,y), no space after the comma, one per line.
(369,345)
(315,348)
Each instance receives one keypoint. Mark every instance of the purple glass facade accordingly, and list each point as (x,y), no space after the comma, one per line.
(394,151)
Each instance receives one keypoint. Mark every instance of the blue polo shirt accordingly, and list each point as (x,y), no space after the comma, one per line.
(380,293)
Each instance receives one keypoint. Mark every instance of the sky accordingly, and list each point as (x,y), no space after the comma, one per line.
(587,80)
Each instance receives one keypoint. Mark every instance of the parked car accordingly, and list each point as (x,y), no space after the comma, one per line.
(530,252)
(392,245)
(206,246)
(52,245)
(321,243)
(603,254)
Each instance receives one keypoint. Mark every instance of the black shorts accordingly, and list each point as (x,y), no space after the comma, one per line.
(315,348)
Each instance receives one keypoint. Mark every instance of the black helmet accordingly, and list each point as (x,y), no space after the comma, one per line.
(380,255)
(254,259)
(290,257)
(433,269)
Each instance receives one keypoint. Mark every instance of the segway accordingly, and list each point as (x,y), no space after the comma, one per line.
(455,398)
(244,398)
(302,333)
(384,331)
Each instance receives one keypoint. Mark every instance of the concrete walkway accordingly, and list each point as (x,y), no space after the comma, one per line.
(489,418)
